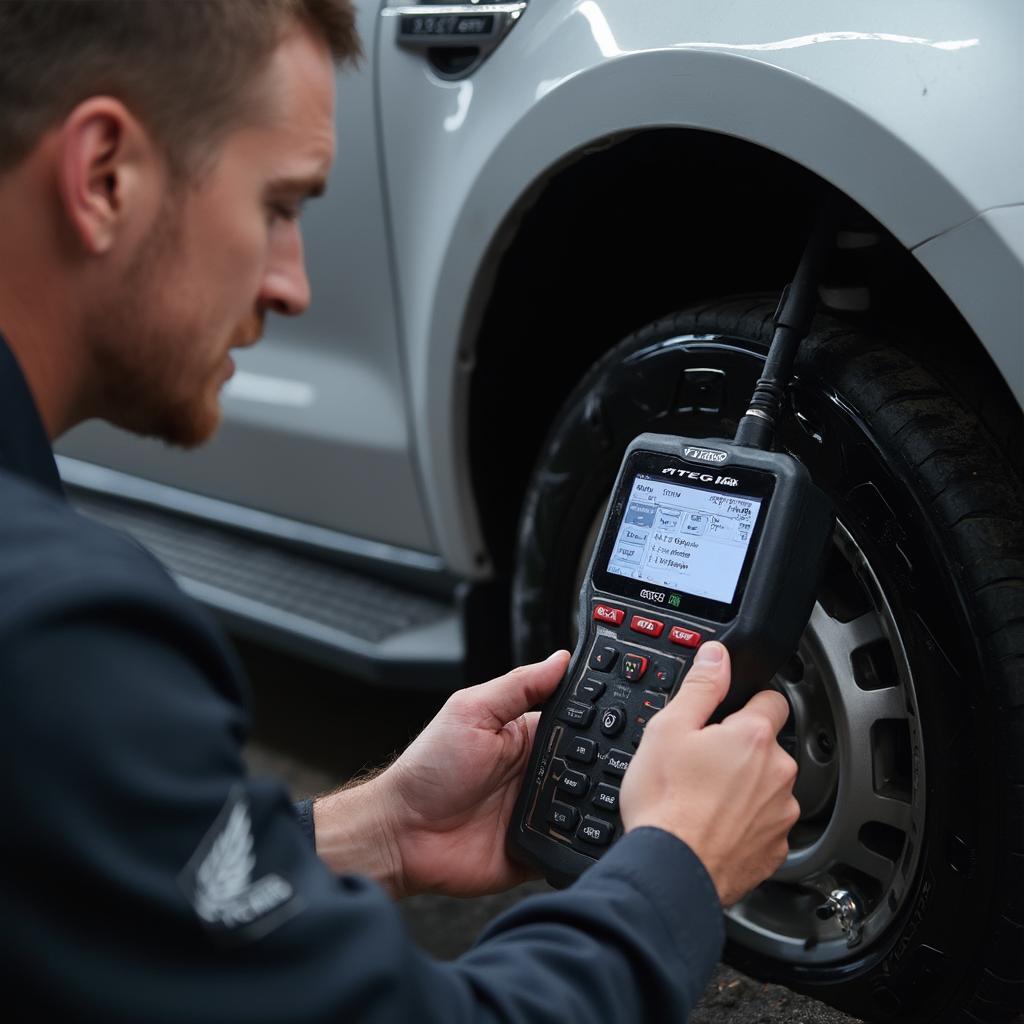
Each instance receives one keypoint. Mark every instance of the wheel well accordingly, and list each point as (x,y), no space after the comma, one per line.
(645,226)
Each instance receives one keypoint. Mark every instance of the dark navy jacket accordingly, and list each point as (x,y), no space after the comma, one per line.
(145,877)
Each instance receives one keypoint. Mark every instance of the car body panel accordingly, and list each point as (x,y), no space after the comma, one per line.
(892,104)
(978,265)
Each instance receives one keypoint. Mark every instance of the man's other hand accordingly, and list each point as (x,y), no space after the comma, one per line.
(449,798)
(726,790)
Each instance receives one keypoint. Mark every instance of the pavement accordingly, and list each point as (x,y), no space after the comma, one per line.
(315,729)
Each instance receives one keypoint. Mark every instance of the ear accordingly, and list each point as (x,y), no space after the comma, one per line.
(109,171)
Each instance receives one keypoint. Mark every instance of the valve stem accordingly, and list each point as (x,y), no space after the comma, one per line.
(842,905)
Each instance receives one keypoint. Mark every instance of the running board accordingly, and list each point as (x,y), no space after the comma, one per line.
(313,608)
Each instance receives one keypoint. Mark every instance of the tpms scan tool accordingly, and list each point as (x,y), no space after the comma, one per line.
(703,539)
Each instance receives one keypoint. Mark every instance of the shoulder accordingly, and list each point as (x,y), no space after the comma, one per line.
(56,563)
(46,545)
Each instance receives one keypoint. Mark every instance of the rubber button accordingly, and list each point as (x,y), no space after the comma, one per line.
(603,658)
(634,666)
(606,613)
(613,720)
(589,689)
(595,831)
(651,627)
(618,762)
(652,703)
(562,816)
(577,714)
(683,637)
(574,783)
(607,796)
(664,674)
(581,749)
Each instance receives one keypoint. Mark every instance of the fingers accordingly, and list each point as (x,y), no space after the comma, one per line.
(530,722)
(704,687)
(766,704)
(501,700)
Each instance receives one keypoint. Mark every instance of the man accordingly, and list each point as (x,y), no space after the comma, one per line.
(154,156)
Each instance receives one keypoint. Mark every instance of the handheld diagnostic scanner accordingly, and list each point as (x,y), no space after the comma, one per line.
(703,539)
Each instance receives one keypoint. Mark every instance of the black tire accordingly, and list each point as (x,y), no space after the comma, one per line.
(937,509)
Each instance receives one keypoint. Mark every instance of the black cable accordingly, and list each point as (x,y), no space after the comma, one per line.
(792,322)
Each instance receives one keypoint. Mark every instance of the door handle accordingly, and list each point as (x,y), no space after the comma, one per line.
(428,25)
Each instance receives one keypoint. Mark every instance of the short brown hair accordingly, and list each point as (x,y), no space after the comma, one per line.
(181,66)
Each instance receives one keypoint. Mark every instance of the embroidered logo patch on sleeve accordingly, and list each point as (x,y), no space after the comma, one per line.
(218,880)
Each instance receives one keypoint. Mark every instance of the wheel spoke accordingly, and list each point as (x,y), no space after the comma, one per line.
(863,805)
(864,630)
(858,856)
(867,808)
(840,639)
(889,811)
(888,702)
(837,644)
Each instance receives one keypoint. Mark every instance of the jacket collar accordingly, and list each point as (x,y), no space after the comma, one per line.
(24,447)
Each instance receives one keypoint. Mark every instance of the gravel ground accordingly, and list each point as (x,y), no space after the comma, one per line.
(316,729)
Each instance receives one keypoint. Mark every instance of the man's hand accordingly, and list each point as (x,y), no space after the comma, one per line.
(726,790)
(435,821)
(453,790)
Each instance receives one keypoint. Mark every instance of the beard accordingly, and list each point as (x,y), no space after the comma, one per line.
(159,372)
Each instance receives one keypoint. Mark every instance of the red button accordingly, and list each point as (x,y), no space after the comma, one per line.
(604,613)
(684,637)
(652,627)
(634,666)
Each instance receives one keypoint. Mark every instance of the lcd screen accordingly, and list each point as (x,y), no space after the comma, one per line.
(687,539)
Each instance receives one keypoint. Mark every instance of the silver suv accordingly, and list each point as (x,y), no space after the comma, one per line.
(556,224)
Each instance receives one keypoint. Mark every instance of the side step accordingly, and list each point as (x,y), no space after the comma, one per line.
(359,625)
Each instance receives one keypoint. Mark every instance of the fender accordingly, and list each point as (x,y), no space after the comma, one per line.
(893,117)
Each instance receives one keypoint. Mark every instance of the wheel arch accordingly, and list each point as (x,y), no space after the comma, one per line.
(566,282)
(776,116)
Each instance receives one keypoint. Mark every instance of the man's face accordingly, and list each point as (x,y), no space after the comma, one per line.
(225,249)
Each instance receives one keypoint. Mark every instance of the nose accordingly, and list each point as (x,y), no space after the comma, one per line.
(285,286)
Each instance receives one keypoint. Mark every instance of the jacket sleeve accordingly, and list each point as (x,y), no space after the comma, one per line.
(304,813)
(147,877)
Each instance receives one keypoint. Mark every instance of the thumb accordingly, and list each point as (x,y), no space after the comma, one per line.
(704,687)
(506,698)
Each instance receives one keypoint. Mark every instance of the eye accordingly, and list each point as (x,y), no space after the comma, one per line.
(284,211)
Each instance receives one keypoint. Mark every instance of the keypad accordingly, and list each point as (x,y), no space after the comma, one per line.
(634,666)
